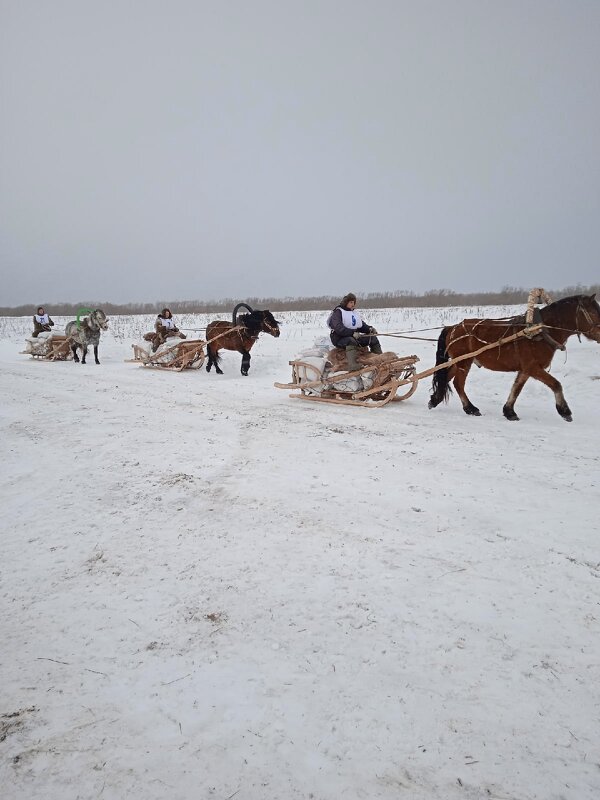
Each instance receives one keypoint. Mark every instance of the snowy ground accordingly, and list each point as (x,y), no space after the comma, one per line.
(212,591)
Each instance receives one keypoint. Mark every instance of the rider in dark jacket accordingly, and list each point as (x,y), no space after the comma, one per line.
(41,322)
(350,332)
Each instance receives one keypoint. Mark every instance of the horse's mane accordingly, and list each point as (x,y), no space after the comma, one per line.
(564,303)
(567,301)
(252,321)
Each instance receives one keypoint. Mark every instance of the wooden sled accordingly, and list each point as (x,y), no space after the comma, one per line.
(384,374)
(184,354)
(55,348)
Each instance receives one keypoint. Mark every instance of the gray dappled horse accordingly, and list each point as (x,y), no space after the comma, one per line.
(85,333)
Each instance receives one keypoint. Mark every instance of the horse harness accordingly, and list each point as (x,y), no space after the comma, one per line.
(536,335)
(243,331)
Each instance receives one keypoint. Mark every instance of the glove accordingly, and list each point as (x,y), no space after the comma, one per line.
(372,331)
(356,335)
(182,336)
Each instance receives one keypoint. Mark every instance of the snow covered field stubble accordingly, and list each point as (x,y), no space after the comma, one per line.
(210,590)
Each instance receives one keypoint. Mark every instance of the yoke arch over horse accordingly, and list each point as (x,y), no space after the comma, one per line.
(528,357)
(239,335)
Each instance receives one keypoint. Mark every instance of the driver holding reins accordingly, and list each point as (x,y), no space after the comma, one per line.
(41,322)
(349,331)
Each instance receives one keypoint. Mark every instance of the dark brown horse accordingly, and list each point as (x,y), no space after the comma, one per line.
(239,335)
(528,357)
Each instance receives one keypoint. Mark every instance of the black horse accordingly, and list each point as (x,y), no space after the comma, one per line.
(240,335)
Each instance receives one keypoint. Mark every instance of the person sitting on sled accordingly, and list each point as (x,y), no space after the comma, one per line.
(164,328)
(41,322)
(349,332)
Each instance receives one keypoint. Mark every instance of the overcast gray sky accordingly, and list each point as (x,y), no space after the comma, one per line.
(190,149)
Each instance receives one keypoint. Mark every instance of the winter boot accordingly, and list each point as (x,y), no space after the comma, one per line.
(374,345)
(352,358)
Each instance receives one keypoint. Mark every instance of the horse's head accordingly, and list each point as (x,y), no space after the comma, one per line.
(587,317)
(98,320)
(260,322)
(269,324)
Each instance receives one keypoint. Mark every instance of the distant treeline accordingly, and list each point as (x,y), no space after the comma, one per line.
(509,295)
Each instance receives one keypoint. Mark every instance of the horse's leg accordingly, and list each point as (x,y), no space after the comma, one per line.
(561,404)
(84,351)
(216,359)
(74,351)
(96,354)
(509,406)
(213,360)
(462,370)
(245,362)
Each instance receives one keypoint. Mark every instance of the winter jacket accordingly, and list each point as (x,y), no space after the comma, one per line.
(339,330)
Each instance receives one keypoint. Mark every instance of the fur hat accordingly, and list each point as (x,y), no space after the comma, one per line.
(347,298)
(164,311)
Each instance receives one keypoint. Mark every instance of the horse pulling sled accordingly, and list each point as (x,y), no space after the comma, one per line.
(238,335)
(79,334)
(323,379)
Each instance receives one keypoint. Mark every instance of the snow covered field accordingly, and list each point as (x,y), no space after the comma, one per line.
(212,591)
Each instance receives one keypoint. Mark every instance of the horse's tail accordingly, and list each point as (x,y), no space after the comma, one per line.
(440,385)
(211,350)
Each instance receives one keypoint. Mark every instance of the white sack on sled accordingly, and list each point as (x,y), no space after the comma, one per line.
(339,383)
(38,345)
(145,346)
(319,349)
(317,362)
(163,350)
(43,337)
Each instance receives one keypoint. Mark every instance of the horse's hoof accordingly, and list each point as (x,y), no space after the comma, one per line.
(472,411)
(565,412)
(244,372)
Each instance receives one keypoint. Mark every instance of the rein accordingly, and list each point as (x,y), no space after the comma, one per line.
(403,336)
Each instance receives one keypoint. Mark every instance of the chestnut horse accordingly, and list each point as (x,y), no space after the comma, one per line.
(529,357)
(239,335)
